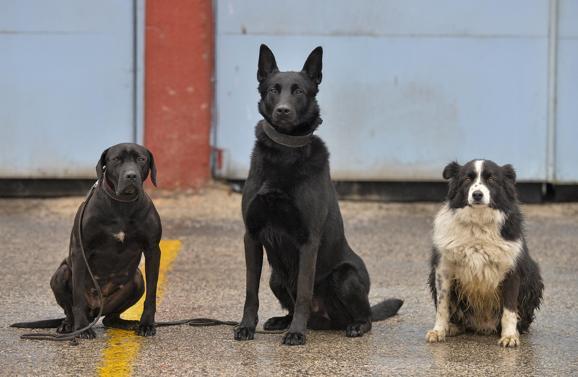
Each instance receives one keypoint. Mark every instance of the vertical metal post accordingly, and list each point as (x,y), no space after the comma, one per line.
(552,91)
(216,154)
(138,70)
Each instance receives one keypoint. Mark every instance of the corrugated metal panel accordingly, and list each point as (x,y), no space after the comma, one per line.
(66,84)
(407,85)
(567,99)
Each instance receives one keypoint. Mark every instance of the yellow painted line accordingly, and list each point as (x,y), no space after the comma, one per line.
(122,345)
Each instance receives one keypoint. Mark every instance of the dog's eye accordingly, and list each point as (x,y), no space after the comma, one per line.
(491,179)
(298,91)
(141,159)
(116,159)
(467,180)
(273,91)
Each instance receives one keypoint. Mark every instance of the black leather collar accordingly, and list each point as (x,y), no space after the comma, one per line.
(289,141)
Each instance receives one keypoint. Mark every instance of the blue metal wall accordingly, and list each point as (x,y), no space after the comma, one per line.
(408,85)
(67,84)
(566,157)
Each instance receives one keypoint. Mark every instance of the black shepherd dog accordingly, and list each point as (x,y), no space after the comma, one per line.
(482,277)
(290,208)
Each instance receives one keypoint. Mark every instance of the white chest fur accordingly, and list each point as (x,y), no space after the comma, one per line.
(472,250)
(119,236)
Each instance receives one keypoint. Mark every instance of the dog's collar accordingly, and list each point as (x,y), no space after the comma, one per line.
(107,190)
(289,141)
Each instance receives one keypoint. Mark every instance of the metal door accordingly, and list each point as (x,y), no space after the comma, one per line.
(407,85)
(67,84)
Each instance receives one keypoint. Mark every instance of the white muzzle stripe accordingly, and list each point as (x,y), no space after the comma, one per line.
(479,186)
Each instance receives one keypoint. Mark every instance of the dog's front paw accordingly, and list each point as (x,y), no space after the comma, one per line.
(146,329)
(294,339)
(357,329)
(244,333)
(435,336)
(64,328)
(510,341)
(87,334)
(278,323)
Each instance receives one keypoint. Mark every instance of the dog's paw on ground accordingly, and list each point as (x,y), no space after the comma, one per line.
(510,341)
(294,339)
(277,323)
(64,328)
(146,330)
(454,330)
(87,334)
(357,329)
(435,336)
(244,333)
(115,322)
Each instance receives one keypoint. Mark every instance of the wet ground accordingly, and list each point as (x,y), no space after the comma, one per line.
(207,280)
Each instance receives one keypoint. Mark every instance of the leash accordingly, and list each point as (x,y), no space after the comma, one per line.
(206,322)
(73,335)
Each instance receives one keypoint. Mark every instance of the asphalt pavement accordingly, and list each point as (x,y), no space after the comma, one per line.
(205,278)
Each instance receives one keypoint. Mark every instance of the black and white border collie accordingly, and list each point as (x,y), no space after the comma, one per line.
(482,278)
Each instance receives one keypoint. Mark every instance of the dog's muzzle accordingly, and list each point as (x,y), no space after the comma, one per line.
(284,116)
(479,195)
(129,183)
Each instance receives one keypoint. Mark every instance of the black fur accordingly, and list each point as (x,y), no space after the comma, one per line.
(290,208)
(521,290)
(42,324)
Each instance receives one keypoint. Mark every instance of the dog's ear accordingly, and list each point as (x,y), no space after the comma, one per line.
(451,170)
(313,65)
(101,164)
(153,168)
(509,172)
(267,63)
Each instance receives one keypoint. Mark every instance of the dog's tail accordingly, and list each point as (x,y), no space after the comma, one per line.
(44,324)
(385,309)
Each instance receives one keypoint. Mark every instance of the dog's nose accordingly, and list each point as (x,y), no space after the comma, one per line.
(283,110)
(477,195)
(131,175)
